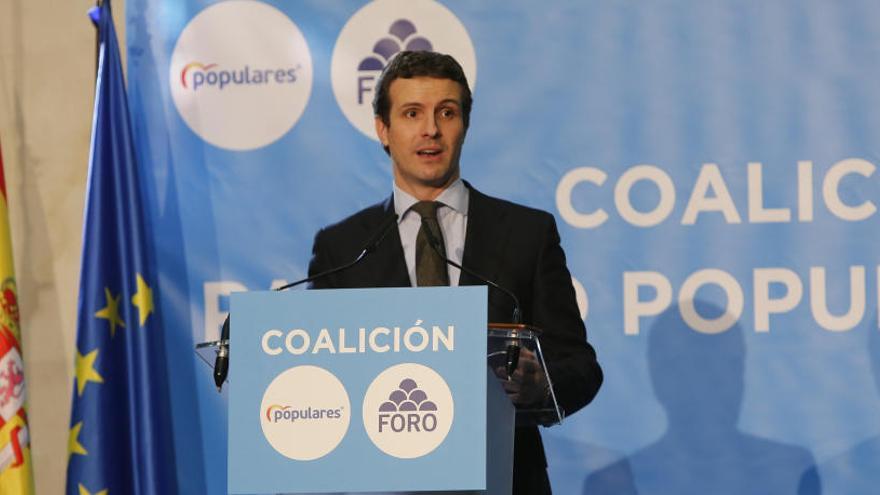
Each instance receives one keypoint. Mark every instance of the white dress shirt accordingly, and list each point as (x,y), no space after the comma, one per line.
(452,217)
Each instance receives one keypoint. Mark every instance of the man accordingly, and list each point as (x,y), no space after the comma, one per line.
(422,108)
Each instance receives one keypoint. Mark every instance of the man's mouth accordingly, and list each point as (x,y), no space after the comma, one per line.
(428,152)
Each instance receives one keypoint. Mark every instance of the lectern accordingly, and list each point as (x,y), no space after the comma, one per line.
(394,390)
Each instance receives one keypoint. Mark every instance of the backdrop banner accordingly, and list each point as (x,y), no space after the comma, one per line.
(712,167)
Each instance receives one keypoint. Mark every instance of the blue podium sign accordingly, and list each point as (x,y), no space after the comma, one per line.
(358,390)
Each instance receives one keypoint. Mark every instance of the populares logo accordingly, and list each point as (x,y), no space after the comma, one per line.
(202,76)
(408,410)
(276,413)
(379,31)
(240,74)
(305,413)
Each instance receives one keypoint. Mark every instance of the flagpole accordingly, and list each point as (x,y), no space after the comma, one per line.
(96,8)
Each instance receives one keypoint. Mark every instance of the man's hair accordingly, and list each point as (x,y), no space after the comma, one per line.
(409,64)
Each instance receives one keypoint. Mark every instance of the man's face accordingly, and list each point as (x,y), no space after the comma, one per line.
(424,134)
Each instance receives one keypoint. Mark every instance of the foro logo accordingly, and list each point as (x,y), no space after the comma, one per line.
(408,410)
(318,421)
(240,74)
(375,34)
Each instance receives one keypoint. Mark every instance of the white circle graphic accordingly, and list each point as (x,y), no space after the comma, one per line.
(408,410)
(240,74)
(377,32)
(305,413)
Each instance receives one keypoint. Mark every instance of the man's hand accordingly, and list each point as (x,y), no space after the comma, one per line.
(527,385)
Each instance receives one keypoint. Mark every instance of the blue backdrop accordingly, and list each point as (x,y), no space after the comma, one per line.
(712,168)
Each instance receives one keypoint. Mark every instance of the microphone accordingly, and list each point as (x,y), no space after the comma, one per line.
(369,247)
(513,348)
(221,363)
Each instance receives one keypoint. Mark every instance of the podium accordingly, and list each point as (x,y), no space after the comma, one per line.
(399,392)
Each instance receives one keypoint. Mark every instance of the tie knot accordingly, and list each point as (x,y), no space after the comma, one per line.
(427,209)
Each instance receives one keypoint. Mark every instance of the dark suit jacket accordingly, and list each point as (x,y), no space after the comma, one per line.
(516,246)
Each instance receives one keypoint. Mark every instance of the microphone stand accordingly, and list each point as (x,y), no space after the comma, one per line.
(513,348)
(221,363)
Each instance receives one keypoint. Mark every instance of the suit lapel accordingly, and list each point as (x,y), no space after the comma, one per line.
(388,266)
(487,231)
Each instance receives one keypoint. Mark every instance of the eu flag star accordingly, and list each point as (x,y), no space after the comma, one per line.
(111,312)
(85,371)
(73,445)
(143,299)
(84,491)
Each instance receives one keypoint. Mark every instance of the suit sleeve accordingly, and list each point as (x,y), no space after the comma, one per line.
(570,359)
(321,261)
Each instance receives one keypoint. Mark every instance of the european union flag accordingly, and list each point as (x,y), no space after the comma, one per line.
(120,429)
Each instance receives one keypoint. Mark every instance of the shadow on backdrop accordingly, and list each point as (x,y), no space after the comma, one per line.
(857,470)
(572,457)
(699,380)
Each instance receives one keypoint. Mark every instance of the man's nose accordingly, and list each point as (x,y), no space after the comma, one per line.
(431,129)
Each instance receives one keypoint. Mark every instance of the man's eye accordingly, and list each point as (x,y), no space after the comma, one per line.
(410,114)
(447,113)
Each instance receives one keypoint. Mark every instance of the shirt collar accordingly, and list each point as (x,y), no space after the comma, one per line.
(455,196)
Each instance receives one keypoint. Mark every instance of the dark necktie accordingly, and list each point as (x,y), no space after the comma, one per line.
(430,266)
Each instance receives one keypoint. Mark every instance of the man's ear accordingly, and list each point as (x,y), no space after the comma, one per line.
(381,131)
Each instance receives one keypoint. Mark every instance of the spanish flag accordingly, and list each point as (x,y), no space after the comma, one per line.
(16,475)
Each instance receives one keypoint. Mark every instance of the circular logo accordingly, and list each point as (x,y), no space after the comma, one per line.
(241,74)
(305,413)
(408,410)
(376,33)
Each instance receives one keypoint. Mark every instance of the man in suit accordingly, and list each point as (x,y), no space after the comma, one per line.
(422,109)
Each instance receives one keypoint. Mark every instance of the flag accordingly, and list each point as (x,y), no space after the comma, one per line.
(16,476)
(120,439)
